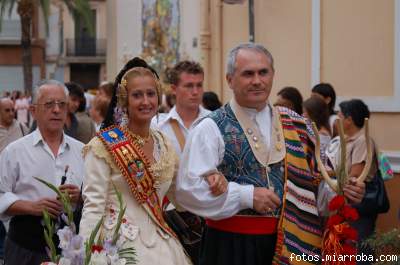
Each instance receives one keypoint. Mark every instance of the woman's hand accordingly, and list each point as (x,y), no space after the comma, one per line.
(218,183)
(354,191)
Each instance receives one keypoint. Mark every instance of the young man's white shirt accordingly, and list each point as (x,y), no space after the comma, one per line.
(162,122)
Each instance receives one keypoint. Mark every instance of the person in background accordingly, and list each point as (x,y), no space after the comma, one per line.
(316,110)
(6,94)
(21,106)
(211,101)
(46,153)
(85,130)
(353,113)
(105,90)
(98,111)
(88,98)
(291,98)
(186,79)
(328,94)
(10,130)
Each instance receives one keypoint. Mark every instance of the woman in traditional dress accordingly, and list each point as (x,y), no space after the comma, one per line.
(140,162)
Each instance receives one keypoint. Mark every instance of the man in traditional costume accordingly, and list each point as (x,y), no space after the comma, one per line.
(269,213)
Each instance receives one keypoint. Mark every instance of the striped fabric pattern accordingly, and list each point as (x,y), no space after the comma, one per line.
(300,228)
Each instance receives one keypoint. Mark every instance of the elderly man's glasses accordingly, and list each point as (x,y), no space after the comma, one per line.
(52,104)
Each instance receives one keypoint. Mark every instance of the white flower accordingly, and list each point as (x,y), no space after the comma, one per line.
(64,261)
(99,258)
(75,251)
(65,235)
(119,262)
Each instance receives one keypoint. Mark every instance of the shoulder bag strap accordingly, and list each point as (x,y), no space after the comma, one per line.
(178,133)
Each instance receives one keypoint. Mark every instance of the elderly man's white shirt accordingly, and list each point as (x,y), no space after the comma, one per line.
(162,122)
(30,157)
(204,151)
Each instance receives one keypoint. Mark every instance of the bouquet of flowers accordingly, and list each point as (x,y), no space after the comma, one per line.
(339,237)
(74,251)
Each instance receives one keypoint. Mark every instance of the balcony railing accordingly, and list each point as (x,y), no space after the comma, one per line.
(86,47)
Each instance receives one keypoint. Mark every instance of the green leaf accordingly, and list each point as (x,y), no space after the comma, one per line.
(48,236)
(121,214)
(90,241)
(64,200)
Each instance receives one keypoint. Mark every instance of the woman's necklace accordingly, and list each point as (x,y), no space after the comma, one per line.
(141,141)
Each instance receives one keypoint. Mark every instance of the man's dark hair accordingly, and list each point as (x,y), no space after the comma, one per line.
(76,90)
(356,109)
(293,95)
(190,67)
(211,101)
(326,90)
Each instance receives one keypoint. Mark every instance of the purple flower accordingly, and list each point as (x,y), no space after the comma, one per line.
(75,251)
(65,235)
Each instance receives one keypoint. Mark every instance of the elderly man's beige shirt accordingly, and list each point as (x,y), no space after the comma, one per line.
(12,133)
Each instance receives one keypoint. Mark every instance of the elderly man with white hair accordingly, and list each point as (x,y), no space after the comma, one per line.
(46,153)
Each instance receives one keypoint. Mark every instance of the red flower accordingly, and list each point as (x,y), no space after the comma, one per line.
(96,248)
(349,249)
(334,220)
(349,213)
(336,203)
(350,233)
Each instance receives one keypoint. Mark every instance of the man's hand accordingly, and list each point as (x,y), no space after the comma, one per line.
(52,206)
(354,191)
(218,183)
(265,200)
(72,191)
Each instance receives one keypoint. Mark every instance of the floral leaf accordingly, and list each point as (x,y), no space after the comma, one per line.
(90,241)
(121,214)
(64,200)
(48,236)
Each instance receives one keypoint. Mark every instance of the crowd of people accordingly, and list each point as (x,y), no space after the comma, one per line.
(245,172)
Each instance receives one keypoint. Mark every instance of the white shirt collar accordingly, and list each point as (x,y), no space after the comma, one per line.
(253,113)
(173,114)
(38,138)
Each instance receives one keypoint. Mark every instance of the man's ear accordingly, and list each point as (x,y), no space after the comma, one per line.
(32,110)
(173,89)
(228,78)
